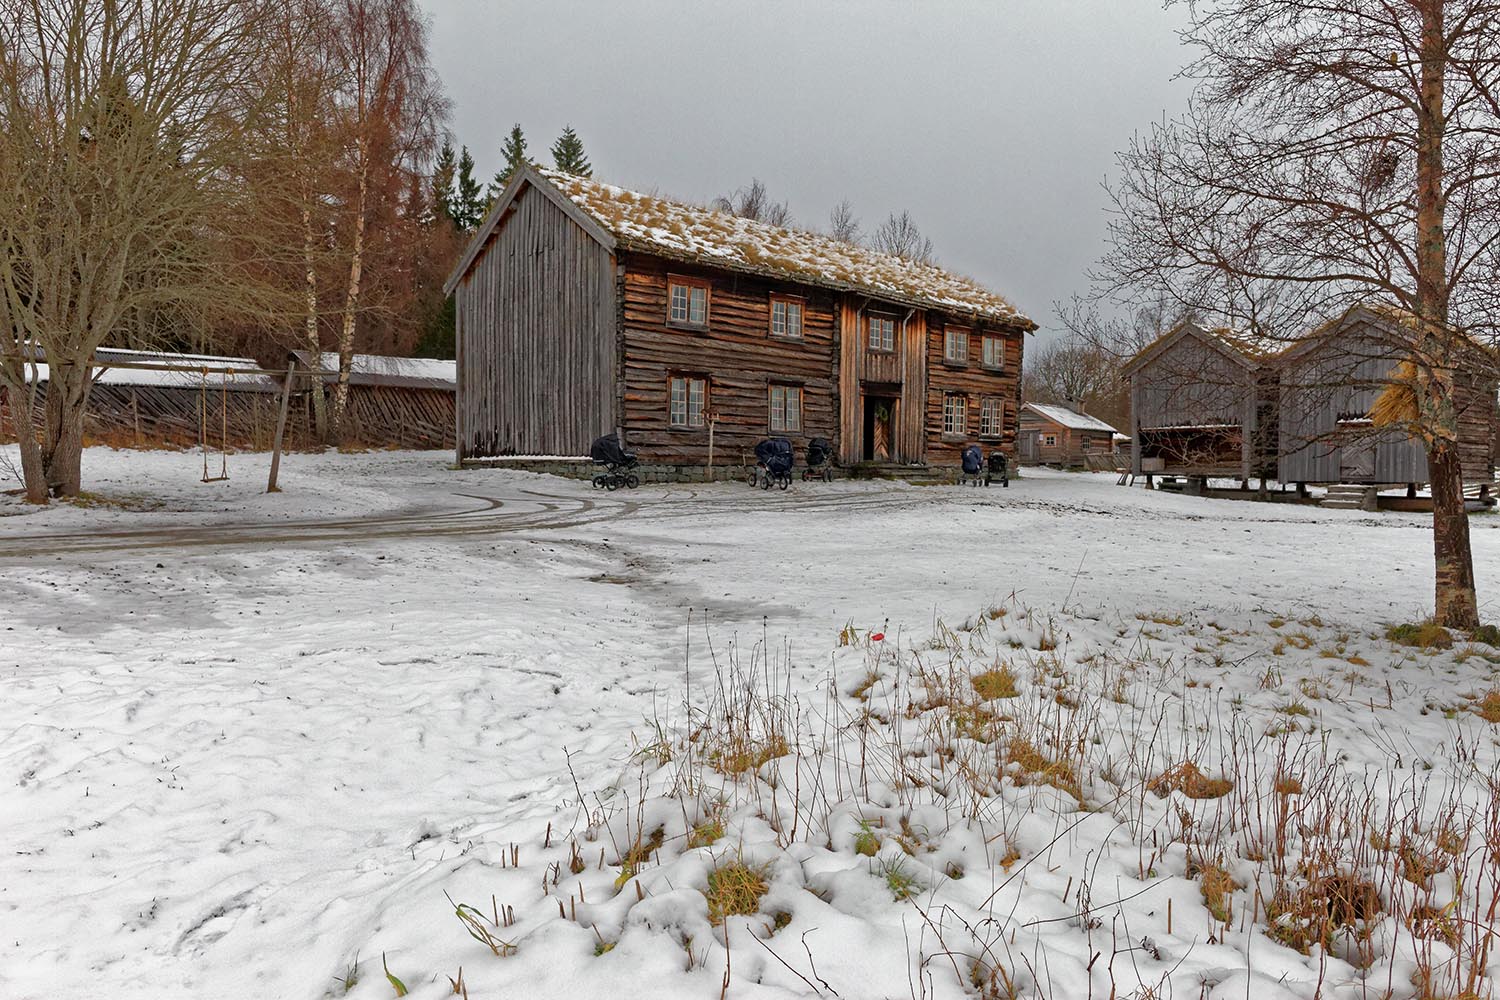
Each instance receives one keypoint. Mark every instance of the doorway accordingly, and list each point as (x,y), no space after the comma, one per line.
(879,424)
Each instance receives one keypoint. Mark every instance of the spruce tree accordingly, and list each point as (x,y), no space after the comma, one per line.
(514,151)
(442,184)
(469,206)
(568,155)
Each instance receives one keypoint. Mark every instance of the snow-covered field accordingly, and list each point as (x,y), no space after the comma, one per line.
(249,743)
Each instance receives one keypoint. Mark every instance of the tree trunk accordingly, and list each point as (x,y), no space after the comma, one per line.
(310,334)
(1456,603)
(351,305)
(33,469)
(62,450)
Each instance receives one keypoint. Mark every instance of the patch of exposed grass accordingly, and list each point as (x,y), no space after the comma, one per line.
(707,832)
(1190,781)
(1488,707)
(997,683)
(1218,887)
(902,883)
(865,842)
(1424,635)
(741,755)
(1487,634)
(735,889)
(1035,766)
(1160,618)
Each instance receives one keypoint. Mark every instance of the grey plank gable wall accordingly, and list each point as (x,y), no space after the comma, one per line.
(536,338)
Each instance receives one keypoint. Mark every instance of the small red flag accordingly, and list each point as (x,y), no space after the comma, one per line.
(877,636)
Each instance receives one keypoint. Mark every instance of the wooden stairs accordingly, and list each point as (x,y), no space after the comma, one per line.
(1350,496)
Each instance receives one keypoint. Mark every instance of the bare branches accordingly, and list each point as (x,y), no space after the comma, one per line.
(754,202)
(899,235)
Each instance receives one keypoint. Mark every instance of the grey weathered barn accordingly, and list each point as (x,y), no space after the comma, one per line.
(585,309)
(1209,403)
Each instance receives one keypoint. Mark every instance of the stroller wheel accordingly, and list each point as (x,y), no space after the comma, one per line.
(598,482)
(751,478)
(632,480)
(827,475)
(785,482)
(765,481)
(612,484)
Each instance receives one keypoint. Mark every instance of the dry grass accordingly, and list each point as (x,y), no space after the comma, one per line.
(735,889)
(1424,635)
(1190,781)
(999,682)
(1488,707)
(1036,767)
(1218,887)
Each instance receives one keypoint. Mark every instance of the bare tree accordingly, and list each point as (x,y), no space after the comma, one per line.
(1119,330)
(1336,154)
(755,203)
(899,235)
(842,224)
(1075,372)
(120,124)
(389,109)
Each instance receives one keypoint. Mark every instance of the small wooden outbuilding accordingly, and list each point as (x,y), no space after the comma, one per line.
(1052,434)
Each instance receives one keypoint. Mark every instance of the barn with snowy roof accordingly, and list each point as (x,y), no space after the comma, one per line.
(1054,434)
(585,309)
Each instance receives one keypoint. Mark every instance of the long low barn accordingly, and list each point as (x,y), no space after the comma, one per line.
(187,399)
(585,309)
(1209,403)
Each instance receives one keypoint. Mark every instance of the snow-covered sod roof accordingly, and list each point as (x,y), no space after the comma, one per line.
(656,225)
(1065,417)
(186,371)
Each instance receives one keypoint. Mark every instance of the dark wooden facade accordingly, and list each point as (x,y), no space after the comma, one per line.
(566,332)
(1051,440)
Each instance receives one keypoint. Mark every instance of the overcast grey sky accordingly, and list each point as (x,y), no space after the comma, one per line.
(994,122)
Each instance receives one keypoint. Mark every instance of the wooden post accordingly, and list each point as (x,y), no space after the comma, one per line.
(713,420)
(286,402)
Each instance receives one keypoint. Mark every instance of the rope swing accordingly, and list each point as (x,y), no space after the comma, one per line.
(223,426)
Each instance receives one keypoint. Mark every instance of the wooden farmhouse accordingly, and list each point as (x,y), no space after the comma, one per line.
(585,308)
(1051,434)
(1211,404)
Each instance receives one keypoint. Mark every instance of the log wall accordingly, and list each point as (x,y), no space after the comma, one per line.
(975,383)
(737,356)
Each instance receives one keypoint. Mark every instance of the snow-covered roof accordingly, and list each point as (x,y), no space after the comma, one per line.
(652,224)
(379,369)
(186,371)
(1065,417)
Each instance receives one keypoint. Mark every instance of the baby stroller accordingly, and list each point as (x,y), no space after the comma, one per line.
(617,462)
(999,468)
(972,472)
(773,464)
(819,461)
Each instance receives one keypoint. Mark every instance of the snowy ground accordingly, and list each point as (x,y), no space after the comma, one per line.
(249,742)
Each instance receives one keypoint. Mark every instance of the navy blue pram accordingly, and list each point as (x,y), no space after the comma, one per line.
(972,471)
(617,462)
(773,463)
(819,460)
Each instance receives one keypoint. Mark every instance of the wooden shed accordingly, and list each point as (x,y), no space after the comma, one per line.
(585,309)
(1059,435)
(1202,404)
(1329,380)
(401,402)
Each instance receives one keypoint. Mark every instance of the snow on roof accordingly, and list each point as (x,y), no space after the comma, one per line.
(379,369)
(187,370)
(1065,417)
(691,233)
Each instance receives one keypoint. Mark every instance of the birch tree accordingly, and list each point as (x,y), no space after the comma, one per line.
(120,121)
(1336,154)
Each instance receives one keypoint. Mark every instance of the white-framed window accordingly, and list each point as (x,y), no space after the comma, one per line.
(786,408)
(882,332)
(688,400)
(994,352)
(991,417)
(1087,444)
(956,345)
(1049,440)
(955,415)
(687,302)
(786,317)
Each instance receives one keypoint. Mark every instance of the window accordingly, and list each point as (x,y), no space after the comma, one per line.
(882,333)
(786,317)
(786,408)
(955,415)
(687,403)
(994,352)
(956,345)
(687,302)
(991,417)
(1049,440)
(1087,443)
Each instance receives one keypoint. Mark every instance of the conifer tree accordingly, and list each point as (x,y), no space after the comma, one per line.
(443,174)
(469,207)
(568,155)
(514,151)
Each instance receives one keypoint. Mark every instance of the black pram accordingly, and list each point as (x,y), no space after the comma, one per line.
(972,470)
(999,468)
(819,460)
(773,463)
(617,462)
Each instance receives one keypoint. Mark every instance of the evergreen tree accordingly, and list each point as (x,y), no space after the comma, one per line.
(568,155)
(514,151)
(442,184)
(469,207)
